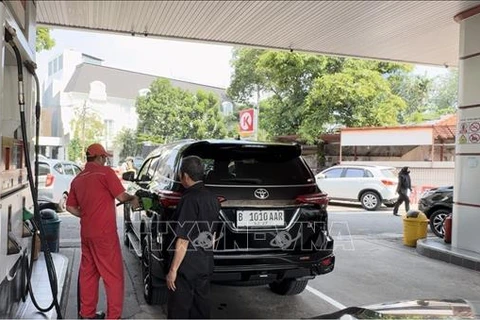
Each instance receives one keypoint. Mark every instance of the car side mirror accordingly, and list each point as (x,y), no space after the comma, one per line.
(128,176)
(321,176)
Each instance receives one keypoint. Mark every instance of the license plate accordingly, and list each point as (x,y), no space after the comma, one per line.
(260,218)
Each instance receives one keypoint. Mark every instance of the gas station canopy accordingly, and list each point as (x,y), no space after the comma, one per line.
(422,32)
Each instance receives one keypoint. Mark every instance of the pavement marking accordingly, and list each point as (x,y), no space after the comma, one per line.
(326,298)
(359,212)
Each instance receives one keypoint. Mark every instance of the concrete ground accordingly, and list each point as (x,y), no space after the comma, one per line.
(372,266)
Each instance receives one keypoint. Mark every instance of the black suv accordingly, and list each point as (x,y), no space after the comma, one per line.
(437,204)
(273,216)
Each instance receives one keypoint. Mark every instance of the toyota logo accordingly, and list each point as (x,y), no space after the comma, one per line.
(261,194)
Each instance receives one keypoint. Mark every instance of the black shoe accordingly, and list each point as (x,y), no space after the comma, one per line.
(395,214)
(98,315)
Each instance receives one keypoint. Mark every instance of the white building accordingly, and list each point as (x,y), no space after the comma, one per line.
(76,80)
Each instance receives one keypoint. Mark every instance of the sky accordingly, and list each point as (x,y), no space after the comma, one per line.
(202,63)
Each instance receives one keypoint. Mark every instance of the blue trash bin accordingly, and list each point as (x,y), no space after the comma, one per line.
(51,229)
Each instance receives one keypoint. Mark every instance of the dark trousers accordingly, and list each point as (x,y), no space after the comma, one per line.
(191,299)
(402,197)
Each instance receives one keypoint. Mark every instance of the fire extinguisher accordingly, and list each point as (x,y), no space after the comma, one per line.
(447,225)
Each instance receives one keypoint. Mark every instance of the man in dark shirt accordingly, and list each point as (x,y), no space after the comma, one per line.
(191,268)
(403,189)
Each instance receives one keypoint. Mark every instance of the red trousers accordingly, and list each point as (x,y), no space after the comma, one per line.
(101,257)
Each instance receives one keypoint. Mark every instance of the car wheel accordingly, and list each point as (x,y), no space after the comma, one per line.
(126,224)
(370,200)
(152,294)
(62,204)
(437,220)
(288,287)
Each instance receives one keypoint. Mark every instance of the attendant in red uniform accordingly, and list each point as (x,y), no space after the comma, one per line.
(92,199)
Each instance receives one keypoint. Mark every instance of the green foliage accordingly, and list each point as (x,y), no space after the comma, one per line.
(126,140)
(44,41)
(87,127)
(356,97)
(74,150)
(426,98)
(247,80)
(290,80)
(444,93)
(311,94)
(167,114)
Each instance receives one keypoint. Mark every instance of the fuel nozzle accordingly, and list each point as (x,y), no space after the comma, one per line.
(148,200)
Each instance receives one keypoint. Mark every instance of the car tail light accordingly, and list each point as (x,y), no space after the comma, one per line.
(388,182)
(314,198)
(169,198)
(221,199)
(326,262)
(49,180)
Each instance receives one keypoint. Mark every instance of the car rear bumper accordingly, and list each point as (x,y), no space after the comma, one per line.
(266,268)
(248,268)
(47,194)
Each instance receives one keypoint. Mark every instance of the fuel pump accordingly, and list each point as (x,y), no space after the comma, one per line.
(18,192)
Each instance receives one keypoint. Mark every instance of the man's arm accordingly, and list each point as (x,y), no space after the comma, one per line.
(74,210)
(181,246)
(125,197)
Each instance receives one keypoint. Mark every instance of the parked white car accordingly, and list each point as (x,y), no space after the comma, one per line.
(369,185)
(54,178)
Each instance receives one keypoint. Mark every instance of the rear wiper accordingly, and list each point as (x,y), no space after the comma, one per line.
(357,312)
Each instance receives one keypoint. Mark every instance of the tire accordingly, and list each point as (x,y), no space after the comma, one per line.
(62,204)
(126,225)
(437,219)
(153,295)
(370,200)
(288,287)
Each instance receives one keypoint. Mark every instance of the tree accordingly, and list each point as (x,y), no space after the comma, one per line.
(287,79)
(427,98)
(86,126)
(44,41)
(444,93)
(126,140)
(167,114)
(414,90)
(356,97)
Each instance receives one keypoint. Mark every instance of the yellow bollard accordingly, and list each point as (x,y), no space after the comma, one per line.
(415,225)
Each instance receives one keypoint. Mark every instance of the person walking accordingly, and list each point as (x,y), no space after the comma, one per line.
(92,199)
(128,165)
(403,189)
(191,268)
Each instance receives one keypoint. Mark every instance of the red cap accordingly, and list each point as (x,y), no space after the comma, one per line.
(97,149)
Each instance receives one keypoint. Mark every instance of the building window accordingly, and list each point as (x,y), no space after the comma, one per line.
(60,63)
(227,108)
(97,91)
(108,129)
(50,68)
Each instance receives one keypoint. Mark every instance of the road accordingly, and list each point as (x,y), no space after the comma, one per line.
(372,266)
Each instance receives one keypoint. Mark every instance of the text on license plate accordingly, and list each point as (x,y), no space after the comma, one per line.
(253,218)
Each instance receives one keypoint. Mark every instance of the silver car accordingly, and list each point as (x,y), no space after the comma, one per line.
(54,178)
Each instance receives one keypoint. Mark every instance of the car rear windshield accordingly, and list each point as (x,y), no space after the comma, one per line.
(389,173)
(255,164)
(43,169)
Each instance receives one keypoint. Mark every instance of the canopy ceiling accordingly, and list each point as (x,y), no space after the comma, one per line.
(421,32)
